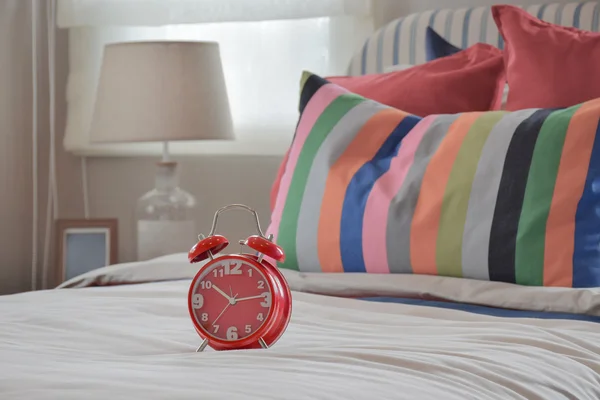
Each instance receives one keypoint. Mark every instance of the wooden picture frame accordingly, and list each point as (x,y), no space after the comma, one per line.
(83,245)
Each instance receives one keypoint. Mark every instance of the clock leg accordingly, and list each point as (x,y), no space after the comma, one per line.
(263,344)
(203,346)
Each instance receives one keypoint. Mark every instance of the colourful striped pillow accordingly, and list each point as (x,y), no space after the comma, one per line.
(496,195)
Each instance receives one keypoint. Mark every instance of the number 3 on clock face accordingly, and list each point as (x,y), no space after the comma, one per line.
(231,299)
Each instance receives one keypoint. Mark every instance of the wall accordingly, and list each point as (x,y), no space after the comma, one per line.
(116,183)
(15,144)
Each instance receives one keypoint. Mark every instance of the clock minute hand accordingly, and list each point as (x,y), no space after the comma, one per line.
(250,298)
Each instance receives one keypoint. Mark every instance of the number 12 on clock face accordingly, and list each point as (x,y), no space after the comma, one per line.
(231,268)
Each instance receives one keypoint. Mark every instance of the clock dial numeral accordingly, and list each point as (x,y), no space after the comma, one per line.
(248,328)
(267,302)
(205,284)
(249,272)
(204,317)
(261,284)
(234,268)
(229,268)
(215,328)
(260,316)
(197,301)
(232,333)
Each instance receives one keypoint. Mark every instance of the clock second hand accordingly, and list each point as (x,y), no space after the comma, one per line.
(222,312)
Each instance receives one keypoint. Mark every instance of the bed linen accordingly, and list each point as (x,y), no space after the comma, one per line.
(123,332)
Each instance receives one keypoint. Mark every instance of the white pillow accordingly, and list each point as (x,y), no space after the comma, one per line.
(398,67)
(504,97)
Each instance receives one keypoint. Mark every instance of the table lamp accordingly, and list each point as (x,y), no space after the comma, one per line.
(162,91)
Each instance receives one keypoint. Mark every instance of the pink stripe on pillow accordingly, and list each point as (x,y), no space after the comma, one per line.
(383,192)
(313,110)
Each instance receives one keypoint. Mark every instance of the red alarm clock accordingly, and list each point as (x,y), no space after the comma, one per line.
(238,301)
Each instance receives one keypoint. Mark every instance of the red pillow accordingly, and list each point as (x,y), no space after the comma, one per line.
(547,65)
(462,82)
(470,80)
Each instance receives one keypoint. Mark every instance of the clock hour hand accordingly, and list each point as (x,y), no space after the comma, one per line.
(222,293)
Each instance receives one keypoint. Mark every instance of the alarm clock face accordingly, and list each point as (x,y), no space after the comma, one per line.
(231,299)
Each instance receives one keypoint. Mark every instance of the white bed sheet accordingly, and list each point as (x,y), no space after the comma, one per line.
(137,342)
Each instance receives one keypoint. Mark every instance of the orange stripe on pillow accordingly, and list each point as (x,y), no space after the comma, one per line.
(426,220)
(570,182)
(361,150)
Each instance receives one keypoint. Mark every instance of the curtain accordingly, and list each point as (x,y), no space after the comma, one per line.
(265,45)
(25,146)
(73,13)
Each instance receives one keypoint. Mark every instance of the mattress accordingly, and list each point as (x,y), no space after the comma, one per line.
(124,332)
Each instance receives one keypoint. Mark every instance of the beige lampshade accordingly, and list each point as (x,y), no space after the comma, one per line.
(161,91)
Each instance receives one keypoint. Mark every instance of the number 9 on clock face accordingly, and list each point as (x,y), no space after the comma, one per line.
(231,299)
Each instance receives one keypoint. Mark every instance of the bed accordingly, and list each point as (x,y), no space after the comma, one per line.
(124,331)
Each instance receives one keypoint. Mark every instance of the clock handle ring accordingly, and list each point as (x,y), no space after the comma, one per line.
(232,207)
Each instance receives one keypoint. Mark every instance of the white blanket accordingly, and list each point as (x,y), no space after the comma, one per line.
(137,342)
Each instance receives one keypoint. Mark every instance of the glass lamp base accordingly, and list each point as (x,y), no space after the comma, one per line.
(159,238)
(164,217)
